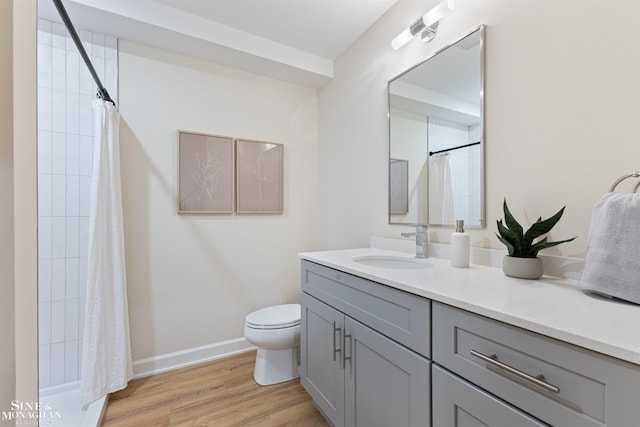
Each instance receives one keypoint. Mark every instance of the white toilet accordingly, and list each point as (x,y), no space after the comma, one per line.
(275,331)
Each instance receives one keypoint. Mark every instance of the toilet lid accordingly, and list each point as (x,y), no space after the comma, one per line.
(277,316)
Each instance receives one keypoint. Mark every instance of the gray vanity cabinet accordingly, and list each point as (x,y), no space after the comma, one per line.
(457,403)
(558,383)
(356,375)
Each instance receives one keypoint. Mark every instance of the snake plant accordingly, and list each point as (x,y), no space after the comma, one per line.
(520,243)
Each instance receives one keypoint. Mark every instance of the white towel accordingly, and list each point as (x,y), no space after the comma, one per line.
(612,262)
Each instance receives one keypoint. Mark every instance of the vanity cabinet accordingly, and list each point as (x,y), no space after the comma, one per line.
(458,403)
(555,382)
(355,374)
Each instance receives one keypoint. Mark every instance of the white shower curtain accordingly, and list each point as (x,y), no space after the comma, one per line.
(106,350)
(440,190)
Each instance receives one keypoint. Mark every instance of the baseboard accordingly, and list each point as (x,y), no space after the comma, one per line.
(191,356)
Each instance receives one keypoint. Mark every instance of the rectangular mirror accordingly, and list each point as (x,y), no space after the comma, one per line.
(436,138)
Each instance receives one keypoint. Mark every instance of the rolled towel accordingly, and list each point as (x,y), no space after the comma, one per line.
(612,261)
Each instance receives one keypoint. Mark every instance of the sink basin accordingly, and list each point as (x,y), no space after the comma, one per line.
(392,262)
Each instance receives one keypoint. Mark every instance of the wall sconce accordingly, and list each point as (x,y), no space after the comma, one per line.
(424,27)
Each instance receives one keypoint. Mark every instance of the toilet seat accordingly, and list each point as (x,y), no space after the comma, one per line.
(274,317)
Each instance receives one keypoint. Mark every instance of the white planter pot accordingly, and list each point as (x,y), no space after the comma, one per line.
(522,268)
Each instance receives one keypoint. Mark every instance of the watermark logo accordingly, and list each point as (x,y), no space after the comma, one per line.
(30,413)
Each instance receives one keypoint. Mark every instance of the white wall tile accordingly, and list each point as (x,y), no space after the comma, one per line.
(44,365)
(58,153)
(45,112)
(44,152)
(73,232)
(65,157)
(98,46)
(45,67)
(44,280)
(85,193)
(71,320)
(58,35)
(58,237)
(58,118)
(58,279)
(58,315)
(44,32)
(44,194)
(58,195)
(44,323)
(72,276)
(73,113)
(57,363)
(83,237)
(82,279)
(44,237)
(86,116)
(73,71)
(58,68)
(71,361)
(73,154)
(73,195)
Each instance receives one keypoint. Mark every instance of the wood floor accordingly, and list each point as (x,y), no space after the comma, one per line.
(217,394)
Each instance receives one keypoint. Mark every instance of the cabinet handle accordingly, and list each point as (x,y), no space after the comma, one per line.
(344,348)
(335,350)
(539,380)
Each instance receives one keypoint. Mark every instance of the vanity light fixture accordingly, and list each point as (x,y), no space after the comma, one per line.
(424,27)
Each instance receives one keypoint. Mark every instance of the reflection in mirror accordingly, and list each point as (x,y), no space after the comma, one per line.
(436,140)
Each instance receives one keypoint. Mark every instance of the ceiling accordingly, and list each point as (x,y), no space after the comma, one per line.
(292,40)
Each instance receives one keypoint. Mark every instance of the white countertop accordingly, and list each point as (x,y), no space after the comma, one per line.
(556,308)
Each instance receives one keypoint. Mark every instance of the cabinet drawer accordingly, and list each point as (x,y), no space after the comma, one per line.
(559,383)
(457,403)
(400,316)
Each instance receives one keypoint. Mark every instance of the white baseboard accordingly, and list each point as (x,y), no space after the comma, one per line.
(191,356)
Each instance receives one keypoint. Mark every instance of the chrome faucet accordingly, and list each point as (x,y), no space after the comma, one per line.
(422,240)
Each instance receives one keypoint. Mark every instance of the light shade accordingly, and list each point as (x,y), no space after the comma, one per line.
(427,20)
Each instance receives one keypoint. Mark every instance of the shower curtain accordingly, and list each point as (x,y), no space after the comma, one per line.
(440,190)
(106,350)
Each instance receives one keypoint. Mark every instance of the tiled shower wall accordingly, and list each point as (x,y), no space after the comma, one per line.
(466,173)
(65,127)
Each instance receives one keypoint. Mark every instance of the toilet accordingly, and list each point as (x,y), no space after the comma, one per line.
(275,331)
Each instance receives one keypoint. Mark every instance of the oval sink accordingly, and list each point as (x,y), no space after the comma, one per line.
(392,262)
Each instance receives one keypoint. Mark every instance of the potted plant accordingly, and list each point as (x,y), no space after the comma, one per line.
(523,261)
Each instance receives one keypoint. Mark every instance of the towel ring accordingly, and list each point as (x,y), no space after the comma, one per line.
(634,174)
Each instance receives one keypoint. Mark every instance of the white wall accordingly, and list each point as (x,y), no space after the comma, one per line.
(554,86)
(193,278)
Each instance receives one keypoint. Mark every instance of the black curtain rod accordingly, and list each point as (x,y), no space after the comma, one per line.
(102,92)
(431,153)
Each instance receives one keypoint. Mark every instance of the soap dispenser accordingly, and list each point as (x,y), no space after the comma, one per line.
(460,246)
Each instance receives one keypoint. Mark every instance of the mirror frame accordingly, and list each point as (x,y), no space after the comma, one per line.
(483,223)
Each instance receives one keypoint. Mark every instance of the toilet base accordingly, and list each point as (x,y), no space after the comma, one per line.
(276,366)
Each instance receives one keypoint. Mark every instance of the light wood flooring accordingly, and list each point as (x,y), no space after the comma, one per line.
(214,394)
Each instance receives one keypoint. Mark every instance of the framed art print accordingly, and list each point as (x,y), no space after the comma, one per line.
(259,176)
(205,173)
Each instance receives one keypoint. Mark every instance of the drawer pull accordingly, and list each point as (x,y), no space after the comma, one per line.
(335,350)
(539,380)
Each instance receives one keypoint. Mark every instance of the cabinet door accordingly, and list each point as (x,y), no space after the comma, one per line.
(386,384)
(321,350)
(457,403)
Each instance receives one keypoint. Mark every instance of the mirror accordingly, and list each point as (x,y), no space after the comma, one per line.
(436,138)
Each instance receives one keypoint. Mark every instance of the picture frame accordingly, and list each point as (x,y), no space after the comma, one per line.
(398,186)
(205,173)
(259,177)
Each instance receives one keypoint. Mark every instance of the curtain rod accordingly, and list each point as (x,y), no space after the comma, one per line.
(431,153)
(102,92)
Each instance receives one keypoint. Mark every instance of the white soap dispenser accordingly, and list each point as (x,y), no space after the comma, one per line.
(460,246)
